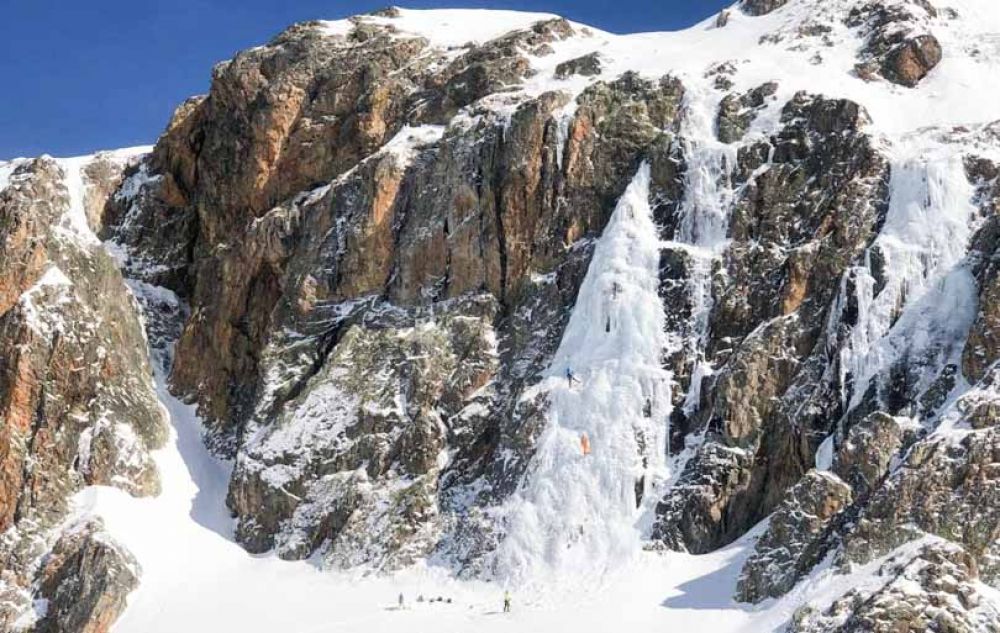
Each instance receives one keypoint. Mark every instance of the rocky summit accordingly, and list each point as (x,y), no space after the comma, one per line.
(660,331)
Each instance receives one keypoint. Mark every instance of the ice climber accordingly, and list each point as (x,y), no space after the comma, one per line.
(506,602)
(570,378)
(585,443)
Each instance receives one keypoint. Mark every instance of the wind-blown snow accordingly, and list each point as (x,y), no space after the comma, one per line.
(43,319)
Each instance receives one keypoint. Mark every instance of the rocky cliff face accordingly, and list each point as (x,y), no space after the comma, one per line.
(381,235)
(462,245)
(76,395)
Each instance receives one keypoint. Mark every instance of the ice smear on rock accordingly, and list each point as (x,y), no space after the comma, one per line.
(907,278)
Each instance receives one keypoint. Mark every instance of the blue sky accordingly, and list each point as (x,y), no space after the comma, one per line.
(78,76)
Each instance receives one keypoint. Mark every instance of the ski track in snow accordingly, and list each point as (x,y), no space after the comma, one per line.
(575,516)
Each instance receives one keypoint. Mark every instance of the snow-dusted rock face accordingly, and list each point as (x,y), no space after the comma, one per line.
(924,587)
(805,203)
(488,220)
(477,178)
(524,299)
(84,582)
(76,396)
(761,7)
(797,537)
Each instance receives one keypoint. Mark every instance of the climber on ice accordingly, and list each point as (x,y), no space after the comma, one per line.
(585,443)
(506,602)
(570,378)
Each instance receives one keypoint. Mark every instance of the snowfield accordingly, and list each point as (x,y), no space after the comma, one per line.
(573,558)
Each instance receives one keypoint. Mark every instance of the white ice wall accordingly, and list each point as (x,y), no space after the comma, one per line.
(576,512)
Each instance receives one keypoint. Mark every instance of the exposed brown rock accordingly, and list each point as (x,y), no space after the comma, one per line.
(867,453)
(797,537)
(289,258)
(897,46)
(76,393)
(910,62)
(85,581)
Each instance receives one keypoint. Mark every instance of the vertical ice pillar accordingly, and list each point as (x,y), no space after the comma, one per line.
(578,511)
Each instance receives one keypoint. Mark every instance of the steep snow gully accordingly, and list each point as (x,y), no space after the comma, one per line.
(573,553)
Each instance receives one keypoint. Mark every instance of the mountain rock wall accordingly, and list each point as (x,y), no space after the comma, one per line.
(380,236)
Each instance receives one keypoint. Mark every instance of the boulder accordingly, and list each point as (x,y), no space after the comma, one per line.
(912,60)
(898,45)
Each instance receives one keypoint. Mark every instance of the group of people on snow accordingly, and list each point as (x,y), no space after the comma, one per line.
(420,598)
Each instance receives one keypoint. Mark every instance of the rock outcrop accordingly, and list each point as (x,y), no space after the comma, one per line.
(798,535)
(797,225)
(944,487)
(867,454)
(931,589)
(737,112)
(761,7)
(587,65)
(76,394)
(897,48)
(84,582)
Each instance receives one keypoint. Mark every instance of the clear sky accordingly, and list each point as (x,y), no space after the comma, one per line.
(81,75)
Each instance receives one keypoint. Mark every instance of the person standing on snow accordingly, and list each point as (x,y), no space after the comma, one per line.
(506,602)
(570,378)
(401,600)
